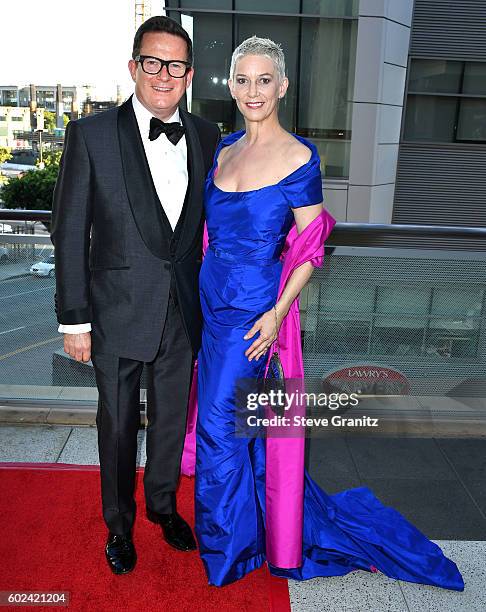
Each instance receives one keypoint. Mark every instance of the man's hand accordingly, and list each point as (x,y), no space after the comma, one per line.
(78,346)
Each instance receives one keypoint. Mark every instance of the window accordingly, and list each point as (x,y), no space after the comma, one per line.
(326,82)
(446,101)
(436,323)
(338,318)
(399,321)
(454,322)
(9,97)
(320,51)
(334,8)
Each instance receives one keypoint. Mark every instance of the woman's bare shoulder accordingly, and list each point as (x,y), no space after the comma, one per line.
(226,152)
(296,153)
(300,153)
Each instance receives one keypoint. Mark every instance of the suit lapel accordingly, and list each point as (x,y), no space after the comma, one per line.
(150,218)
(193,204)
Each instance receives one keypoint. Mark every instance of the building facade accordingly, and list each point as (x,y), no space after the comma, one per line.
(346,62)
(16,121)
(44,96)
(442,155)
(392,93)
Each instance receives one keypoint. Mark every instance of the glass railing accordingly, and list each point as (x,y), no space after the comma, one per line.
(396,313)
(30,346)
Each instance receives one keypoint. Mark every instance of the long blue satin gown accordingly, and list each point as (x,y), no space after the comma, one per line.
(238,283)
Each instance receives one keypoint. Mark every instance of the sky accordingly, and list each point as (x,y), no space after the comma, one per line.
(70,42)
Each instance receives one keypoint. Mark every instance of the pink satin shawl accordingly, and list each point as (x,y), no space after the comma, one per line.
(284,455)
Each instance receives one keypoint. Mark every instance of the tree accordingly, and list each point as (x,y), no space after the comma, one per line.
(52,158)
(49,120)
(34,189)
(5,154)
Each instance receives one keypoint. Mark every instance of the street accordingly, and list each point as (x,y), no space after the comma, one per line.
(28,331)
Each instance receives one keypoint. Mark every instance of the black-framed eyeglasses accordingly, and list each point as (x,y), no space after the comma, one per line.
(153,65)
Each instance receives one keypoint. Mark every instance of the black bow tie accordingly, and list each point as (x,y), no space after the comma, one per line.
(173,131)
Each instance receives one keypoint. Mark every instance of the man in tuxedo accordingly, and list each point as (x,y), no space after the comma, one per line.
(127,226)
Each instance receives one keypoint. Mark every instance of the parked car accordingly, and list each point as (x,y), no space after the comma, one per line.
(4,255)
(44,268)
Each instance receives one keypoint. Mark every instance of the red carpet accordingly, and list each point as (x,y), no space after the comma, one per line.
(52,539)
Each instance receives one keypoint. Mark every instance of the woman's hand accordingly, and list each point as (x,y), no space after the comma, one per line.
(268,325)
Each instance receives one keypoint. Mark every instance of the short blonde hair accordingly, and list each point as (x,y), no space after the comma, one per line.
(260,46)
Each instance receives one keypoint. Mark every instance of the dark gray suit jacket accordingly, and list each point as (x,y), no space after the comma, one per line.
(116,254)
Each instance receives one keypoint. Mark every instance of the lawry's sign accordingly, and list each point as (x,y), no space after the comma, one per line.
(366,379)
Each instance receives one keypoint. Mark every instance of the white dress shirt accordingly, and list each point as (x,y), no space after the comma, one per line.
(168,167)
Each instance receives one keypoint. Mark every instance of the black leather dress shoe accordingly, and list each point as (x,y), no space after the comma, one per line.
(120,553)
(175,530)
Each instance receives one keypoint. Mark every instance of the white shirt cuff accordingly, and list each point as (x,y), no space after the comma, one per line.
(81,328)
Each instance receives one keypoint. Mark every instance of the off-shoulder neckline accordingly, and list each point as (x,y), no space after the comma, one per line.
(231,138)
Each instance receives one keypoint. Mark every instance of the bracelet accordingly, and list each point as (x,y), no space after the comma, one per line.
(276,327)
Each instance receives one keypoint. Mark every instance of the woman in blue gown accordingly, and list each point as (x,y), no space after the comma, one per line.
(262,179)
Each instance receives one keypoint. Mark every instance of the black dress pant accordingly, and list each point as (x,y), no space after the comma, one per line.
(118,422)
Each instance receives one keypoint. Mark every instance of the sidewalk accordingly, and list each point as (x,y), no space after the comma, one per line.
(356,592)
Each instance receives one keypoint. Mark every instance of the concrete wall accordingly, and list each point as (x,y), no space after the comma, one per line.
(381,66)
